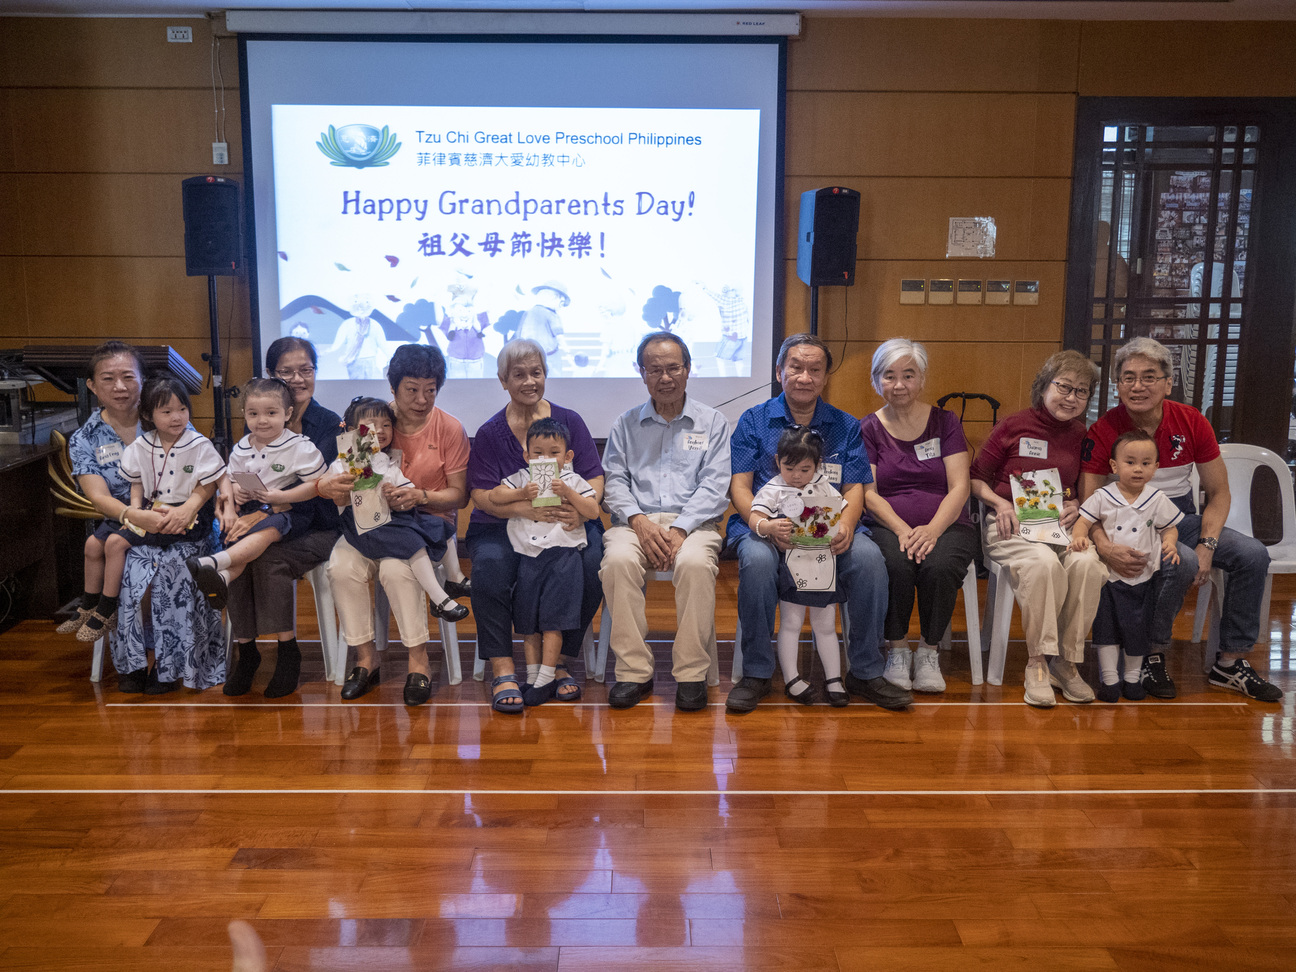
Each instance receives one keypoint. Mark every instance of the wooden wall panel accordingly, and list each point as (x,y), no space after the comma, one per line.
(1185,59)
(871,309)
(118,130)
(149,297)
(13,297)
(908,219)
(929,134)
(90,214)
(88,52)
(7,153)
(869,54)
(10,219)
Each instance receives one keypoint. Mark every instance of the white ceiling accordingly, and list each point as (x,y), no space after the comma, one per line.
(1033,9)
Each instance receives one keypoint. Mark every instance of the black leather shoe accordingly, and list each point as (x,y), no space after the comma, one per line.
(458,590)
(691,696)
(132,683)
(360,681)
(878,691)
(210,582)
(625,695)
(749,691)
(448,610)
(154,687)
(418,689)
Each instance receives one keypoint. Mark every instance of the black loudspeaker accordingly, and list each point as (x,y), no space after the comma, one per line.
(826,236)
(213,238)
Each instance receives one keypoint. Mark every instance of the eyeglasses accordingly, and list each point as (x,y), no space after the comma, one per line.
(672,371)
(305,374)
(1066,391)
(1129,380)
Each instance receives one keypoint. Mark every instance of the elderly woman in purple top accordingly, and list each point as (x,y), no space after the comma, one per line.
(498,452)
(918,510)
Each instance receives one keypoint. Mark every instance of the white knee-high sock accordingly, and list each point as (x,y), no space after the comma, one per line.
(1108,662)
(451,564)
(423,571)
(791,618)
(823,622)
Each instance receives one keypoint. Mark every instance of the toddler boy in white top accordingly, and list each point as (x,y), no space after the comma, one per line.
(1139,515)
(547,594)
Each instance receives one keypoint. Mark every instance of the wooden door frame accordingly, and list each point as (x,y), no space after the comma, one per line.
(1262,395)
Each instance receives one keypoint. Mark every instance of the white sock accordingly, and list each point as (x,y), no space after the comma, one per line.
(1133,668)
(533,672)
(423,571)
(791,618)
(451,564)
(224,575)
(222,560)
(1108,662)
(544,676)
(823,622)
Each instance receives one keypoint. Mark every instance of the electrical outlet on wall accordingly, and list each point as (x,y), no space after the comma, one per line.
(179,35)
(220,153)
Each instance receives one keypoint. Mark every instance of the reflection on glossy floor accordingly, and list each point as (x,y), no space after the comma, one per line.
(969,832)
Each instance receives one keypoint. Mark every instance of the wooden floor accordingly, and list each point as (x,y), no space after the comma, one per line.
(969,832)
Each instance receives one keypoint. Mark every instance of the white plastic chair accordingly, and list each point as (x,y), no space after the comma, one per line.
(1241,462)
(449,633)
(596,655)
(331,644)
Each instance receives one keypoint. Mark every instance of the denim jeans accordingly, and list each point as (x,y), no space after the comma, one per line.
(863,573)
(1245,562)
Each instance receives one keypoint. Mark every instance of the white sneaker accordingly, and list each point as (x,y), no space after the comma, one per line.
(1063,676)
(897,668)
(1039,692)
(926,671)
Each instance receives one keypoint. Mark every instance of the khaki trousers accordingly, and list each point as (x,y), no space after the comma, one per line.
(1058,591)
(350,575)
(624,572)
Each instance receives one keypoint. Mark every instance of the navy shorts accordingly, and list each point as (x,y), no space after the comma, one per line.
(547,594)
(1124,617)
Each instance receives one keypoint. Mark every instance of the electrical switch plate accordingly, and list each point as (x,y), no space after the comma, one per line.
(998,292)
(220,153)
(179,35)
(913,291)
(969,292)
(940,291)
(1026,292)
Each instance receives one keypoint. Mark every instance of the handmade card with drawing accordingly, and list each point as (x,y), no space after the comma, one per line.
(543,473)
(1037,496)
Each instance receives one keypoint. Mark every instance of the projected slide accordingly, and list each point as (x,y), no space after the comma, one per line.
(580,228)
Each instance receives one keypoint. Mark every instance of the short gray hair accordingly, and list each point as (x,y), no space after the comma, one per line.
(517,351)
(897,349)
(1143,347)
(1062,363)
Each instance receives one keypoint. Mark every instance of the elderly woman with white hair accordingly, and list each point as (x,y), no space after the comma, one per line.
(498,452)
(918,510)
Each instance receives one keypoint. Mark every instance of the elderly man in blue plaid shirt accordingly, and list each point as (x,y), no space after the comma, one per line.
(802,369)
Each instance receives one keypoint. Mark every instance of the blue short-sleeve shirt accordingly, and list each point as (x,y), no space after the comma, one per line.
(96,450)
(755,444)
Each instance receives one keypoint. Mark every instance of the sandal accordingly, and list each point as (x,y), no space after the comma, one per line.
(563,679)
(805,696)
(497,699)
(836,698)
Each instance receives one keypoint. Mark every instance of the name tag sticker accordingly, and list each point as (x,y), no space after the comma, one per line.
(694,441)
(928,450)
(108,453)
(833,472)
(1033,448)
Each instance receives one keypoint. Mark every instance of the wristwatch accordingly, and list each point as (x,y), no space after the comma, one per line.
(1210,543)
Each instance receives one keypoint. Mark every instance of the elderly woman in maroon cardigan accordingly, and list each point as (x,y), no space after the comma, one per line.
(1058,590)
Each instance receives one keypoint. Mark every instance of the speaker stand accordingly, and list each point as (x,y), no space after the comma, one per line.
(814,311)
(221,426)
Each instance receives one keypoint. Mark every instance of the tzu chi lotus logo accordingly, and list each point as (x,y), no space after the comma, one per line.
(358,146)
